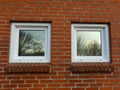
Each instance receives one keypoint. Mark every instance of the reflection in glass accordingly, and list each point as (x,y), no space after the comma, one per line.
(31,43)
(89,43)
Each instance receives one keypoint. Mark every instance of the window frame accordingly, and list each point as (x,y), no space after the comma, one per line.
(104,28)
(14,42)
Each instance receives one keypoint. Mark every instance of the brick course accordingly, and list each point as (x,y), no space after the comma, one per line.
(60,13)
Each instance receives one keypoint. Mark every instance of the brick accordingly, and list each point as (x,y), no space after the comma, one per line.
(20,89)
(91,88)
(2,77)
(46,81)
(4,81)
(116,88)
(54,85)
(16,1)
(68,85)
(39,85)
(17,81)
(106,88)
(24,77)
(82,85)
(78,89)
(102,80)
(60,81)
(64,89)
(10,86)
(32,81)
(89,80)
(25,85)
(96,84)
(89,67)
(43,77)
(5,0)
(7,89)
(75,81)
(35,89)
(9,77)
(50,89)
(58,69)
(64,73)
(26,67)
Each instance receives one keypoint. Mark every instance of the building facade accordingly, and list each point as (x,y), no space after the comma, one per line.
(40,49)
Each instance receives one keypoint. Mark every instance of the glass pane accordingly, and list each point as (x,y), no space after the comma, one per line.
(31,43)
(89,43)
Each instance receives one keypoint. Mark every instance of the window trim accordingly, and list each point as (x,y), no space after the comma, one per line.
(105,43)
(15,27)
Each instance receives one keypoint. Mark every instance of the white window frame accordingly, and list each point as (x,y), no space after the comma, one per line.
(15,27)
(104,28)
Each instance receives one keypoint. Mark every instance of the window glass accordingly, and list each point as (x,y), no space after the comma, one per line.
(31,43)
(89,43)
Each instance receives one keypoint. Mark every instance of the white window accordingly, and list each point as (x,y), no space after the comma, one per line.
(30,42)
(90,43)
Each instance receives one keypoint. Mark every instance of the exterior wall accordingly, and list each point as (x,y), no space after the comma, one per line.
(60,13)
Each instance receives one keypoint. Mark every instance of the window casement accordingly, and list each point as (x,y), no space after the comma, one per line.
(90,43)
(30,43)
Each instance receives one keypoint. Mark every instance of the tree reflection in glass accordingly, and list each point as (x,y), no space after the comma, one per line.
(31,43)
(89,43)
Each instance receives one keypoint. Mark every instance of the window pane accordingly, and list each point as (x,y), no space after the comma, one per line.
(89,43)
(31,43)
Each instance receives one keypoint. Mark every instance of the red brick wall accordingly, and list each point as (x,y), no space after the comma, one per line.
(61,13)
